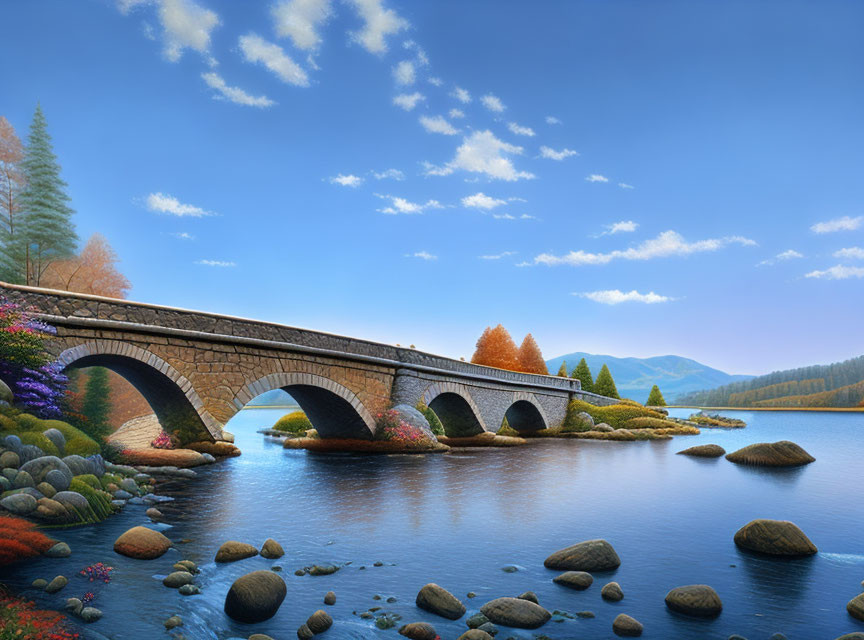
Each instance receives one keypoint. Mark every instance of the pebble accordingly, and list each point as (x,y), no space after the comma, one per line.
(330,598)
(172,622)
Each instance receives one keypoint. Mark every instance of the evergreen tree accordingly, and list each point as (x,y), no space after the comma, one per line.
(45,232)
(530,357)
(605,385)
(583,374)
(562,370)
(97,403)
(655,398)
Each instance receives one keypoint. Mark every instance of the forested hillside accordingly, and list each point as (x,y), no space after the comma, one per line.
(834,385)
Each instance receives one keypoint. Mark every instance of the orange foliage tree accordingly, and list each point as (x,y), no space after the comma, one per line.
(530,357)
(93,271)
(20,540)
(496,348)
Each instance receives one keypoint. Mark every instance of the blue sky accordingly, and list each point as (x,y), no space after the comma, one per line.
(626,177)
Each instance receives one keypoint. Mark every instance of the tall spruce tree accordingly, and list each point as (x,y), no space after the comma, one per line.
(46,232)
(97,403)
(605,385)
(562,370)
(655,398)
(583,374)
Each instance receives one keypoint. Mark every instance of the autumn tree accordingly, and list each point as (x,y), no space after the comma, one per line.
(583,374)
(496,348)
(12,183)
(530,357)
(93,271)
(562,370)
(655,398)
(605,385)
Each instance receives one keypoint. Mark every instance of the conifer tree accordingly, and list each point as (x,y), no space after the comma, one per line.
(496,348)
(583,374)
(530,357)
(562,370)
(605,385)
(655,398)
(45,232)
(97,403)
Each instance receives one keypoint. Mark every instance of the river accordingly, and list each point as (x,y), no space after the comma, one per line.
(457,519)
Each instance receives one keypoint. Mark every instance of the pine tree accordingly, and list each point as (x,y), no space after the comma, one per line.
(583,374)
(605,385)
(45,231)
(562,370)
(496,348)
(530,357)
(655,398)
(97,403)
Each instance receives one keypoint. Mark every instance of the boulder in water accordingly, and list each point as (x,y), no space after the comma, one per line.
(232,551)
(418,631)
(255,597)
(579,580)
(319,622)
(774,537)
(142,543)
(612,592)
(855,607)
(515,612)
(272,549)
(771,454)
(697,600)
(475,634)
(591,555)
(439,601)
(626,626)
(177,579)
(704,451)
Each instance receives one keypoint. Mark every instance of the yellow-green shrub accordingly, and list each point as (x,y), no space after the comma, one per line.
(646,422)
(99,501)
(614,415)
(432,418)
(41,441)
(82,446)
(294,422)
(507,430)
(109,478)
(90,479)
(29,428)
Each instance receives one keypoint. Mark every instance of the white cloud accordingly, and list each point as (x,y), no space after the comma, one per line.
(552,120)
(456,113)
(525,216)
(408,101)
(552,154)
(481,152)
(850,253)
(624,185)
(125,6)
(402,206)
(668,243)
(615,296)
(187,26)
(216,263)
(497,256)
(404,73)
(481,201)
(182,235)
(596,177)
(461,95)
(503,216)
(378,24)
(624,226)
(520,130)
(435,81)
(392,174)
(234,94)
(256,49)
(422,255)
(838,272)
(349,180)
(846,223)
(422,59)
(438,124)
(300,21)
(789,254)
(164,203)
(493,103)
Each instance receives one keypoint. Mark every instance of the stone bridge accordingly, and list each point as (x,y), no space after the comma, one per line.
(196,370)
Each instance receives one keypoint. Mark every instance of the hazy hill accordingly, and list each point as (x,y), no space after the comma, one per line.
(634,377)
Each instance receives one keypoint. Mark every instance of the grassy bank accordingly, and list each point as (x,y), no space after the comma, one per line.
(828,409)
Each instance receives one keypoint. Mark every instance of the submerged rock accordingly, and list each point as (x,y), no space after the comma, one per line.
(319,622)
(329,598)
(626,626)
(177,579)
(59,550)
(475,634)
(591,555)
(418,631)
(612,592)
(530,596)
(142,543)
(698,600)
(272,549)
(56,584)
(439,601)
(771,454)
(704,451)
(255,597)
(232,551)
(173,622)
(579,580)
(855,607)
(774,537)
(514,612)
(90,614)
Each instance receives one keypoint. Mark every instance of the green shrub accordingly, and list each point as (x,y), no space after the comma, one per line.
(572,423)
(507,430)
(81,446)
(29,428)
(89,478)
(99,501)
(41,441)
(27,422)
(295,422)
(109,478)
(647,422)
(614,415)
(432,418)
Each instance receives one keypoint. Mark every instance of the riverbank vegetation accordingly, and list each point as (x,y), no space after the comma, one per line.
(295,422)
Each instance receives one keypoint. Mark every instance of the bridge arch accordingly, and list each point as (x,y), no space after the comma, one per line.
(452,403)
(526,414)
(334,410)
(170,394)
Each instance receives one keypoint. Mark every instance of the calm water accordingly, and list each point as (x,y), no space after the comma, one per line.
(457,519)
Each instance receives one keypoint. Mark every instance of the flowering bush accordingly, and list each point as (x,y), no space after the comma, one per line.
(394,426)
(39,386)
(162,441)
(20,620)
(20,540)
(97,571)
(87,598)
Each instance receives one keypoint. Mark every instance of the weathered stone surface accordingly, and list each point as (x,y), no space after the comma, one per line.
(612,592)
(90,614)
(579,580)
(627,627)
(231,551)
(40,467)
(272,549)
(52,511)
(330,598)
(46,489)
(304,632)
(855,607)
(704,451)
(56,438)
(603,428)
(591,555)
(475,634)
(177,579)
(514,612)
(855,635)
(23,480)
(173,622)
(772,454)
(418,631)
(255,597)
(697,600)
(9,459)
(19,504)
(59,480)
(153,513)
(774,537)
(72,499)
(477,620)
(6,394)
(319,622)
(79,466)
(73,606)
(56,584)
(530,596)
(142,543)
(439,601)
(59,550)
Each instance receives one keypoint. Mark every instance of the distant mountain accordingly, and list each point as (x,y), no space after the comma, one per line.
(274,398)
(634,377)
